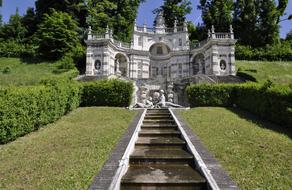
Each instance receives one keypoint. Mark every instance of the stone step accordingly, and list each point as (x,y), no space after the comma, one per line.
(159,121)
(158,128)
(168,147)
(159,132)
(158,111)
(150,155)
(157,117)
(158,114)
(162,177)
(159,125)
(160,141)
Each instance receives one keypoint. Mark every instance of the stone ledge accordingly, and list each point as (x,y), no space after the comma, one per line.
(221,177)
(104,178)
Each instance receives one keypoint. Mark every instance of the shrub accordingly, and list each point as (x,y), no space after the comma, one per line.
(107,93)
(14,49)
(25,109)
(209,95)
(6,70)
(271,102)
(65,64)
(278,52)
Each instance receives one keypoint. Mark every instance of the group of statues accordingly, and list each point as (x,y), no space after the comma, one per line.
(158,101)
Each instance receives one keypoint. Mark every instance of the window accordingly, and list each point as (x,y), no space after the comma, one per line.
(180,42)
(222,65)
(140,41)
(97,65)
(159,50)
(180,68)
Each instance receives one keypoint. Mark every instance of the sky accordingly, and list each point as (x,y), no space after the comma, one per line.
(145,14)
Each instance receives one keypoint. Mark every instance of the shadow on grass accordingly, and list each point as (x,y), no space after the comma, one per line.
(246,76)
(261,123)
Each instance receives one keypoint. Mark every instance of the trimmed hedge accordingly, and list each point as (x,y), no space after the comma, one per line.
(107,93)
(209,95)
(26,109)
(273,103)
(279,52)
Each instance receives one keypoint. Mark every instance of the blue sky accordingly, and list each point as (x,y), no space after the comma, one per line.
(144,15)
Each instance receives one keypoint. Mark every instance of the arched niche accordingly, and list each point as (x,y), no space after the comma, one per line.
(159,59)
(97,65)
(159,49)
(121,64)
(198,64)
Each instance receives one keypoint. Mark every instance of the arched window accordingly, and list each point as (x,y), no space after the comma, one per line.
(97,65)
(223,65)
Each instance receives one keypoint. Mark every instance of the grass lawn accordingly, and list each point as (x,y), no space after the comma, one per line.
(277,72)
(66,154)
(257,155)
(22,73)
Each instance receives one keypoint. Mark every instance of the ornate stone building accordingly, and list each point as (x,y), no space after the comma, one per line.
(160,56)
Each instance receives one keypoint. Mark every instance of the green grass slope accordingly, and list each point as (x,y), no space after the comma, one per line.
(66,154)
(256,154)
(22,73)
(277,72)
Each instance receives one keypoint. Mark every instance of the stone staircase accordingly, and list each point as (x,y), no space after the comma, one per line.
(160,159)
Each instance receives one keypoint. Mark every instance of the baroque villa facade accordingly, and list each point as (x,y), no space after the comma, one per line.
(160,57)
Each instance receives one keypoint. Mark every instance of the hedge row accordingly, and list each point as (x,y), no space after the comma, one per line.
(273,103)
(26,109)
(279,52)
(107,93)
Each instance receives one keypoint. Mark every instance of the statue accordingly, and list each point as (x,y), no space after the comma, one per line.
(164,104)
(148,104)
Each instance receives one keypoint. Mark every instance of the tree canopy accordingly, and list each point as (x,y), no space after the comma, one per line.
(118,15)
(175,10)
(57,35)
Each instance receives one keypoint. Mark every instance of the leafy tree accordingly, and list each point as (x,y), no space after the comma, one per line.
(175,10)
(217,13)
(289,36)
(256,22)
(245,22)
(282,5)
(268,26)
(117,14)
(124,19)
(29,22)
(57,35)
(13,30)
(76,8)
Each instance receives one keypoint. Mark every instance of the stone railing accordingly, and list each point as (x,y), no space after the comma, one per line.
(166,30)
(198,44)
(222,36)
(96,36)
(121,44)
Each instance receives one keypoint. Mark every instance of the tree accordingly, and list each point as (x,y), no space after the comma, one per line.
(282,5)
(217,13)
(289,36)
(118,15)
(246,22)
(29,22)
(57,35)
(175,10)
(268,25)
(76,8)
(13,30)
(256,22)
